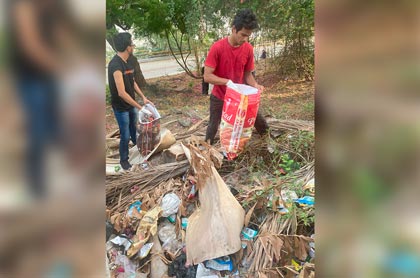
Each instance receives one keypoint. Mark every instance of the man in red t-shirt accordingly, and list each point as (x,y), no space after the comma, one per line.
(231,60)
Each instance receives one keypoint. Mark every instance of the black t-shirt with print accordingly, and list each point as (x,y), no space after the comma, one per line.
(128,75)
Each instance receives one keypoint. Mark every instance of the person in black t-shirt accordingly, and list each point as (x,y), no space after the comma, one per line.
(123,88)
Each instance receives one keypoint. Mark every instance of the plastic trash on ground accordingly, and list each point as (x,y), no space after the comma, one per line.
(146,228)
(184,223)
(170,204)
(144,251)
(122,241)
(134,209)
(219,264)
(305,201)
(310,186)
(288,195)
(126,268)
(168,237)
(203,272)
(312,247)
(172,218)
(249,234)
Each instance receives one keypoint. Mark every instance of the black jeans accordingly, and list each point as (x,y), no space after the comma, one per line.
(216,109)
(204,85)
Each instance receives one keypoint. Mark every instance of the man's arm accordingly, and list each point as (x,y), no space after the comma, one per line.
(140,93)
(250,80)
(210,77)
(119,82)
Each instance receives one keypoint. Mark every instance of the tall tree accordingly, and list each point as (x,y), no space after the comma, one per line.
(190,26)
(112,21)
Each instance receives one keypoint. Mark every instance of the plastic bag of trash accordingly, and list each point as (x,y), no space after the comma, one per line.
(128,266)
(214,229)
(167,234)
(148,129)
(170,204)
(240,110)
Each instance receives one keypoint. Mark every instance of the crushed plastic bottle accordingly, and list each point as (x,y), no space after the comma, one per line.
(305,201)
(249,234)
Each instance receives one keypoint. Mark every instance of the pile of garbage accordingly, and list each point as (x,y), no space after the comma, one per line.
(191,213)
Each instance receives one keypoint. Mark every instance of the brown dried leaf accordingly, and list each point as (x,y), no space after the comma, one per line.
(183,208)
(248,215)
(260,204)
(262,275)
(277,246)
(300,248)
(115,220)
(308,271)
(266,183)
(276,200)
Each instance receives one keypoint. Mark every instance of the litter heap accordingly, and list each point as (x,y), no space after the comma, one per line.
(187,212)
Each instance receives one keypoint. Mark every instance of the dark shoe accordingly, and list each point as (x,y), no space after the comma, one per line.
(125,165)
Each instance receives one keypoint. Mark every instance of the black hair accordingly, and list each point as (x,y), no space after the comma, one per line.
(122,41)
(245,19)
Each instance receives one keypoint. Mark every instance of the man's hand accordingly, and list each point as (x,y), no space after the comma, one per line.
(259,87)
(146,101)
(231,85)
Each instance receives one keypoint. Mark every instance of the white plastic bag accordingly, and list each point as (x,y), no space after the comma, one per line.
(170,204)
(148,129)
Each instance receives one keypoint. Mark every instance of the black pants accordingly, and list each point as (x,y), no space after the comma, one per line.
(216,109)
(204,85)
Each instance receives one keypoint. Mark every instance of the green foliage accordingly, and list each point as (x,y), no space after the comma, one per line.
(302,144)
(287,165)
(193,25)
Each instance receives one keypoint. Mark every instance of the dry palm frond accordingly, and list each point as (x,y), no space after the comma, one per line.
(276,124)
(303,175)
(274,249)
(119,186)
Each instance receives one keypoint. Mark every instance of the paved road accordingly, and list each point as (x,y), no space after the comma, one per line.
(160,67)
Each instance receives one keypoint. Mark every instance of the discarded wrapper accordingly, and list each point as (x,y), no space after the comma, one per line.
(122,241)
(223,263)
(144,251)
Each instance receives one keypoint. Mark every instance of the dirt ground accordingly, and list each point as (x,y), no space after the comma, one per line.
(178,99)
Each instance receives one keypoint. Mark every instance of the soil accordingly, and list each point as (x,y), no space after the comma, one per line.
(179,100)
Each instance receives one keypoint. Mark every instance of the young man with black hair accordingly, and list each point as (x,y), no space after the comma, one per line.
(122,87)
(231,60)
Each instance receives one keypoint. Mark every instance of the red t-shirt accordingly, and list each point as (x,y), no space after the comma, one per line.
(229,62)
